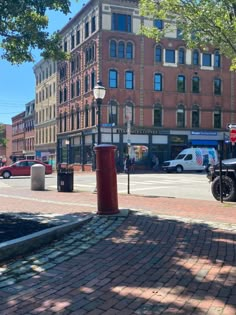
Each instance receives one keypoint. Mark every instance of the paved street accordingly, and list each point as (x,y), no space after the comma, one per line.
(187,185)
(163,256)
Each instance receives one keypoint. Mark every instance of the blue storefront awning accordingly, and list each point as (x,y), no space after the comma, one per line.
(205,142)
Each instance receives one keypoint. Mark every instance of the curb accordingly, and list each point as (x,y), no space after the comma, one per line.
(24,244)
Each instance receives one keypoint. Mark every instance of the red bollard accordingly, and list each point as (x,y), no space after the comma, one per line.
(106,179)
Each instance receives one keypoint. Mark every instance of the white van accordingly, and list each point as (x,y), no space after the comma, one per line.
(192,159)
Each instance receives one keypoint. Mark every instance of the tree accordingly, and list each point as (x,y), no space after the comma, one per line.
(23,27)
(203,23)
(3,140)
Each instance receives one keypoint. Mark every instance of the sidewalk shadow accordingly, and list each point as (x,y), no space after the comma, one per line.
(147,266)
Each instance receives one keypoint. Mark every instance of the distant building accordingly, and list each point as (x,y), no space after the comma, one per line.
(18,137)
(28,120)
(45,111)
(6,150)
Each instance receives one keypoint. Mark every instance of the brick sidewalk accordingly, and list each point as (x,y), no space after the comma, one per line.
(172,256)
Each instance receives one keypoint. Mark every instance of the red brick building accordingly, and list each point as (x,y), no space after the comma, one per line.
(18,137)
(6,150)
(173,97)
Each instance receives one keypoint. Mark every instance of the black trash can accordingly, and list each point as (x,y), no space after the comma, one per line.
(65,180)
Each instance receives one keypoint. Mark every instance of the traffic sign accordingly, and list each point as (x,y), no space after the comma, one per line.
(231,126)
(232,135)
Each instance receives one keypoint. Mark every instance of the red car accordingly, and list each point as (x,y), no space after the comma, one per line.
(22,168)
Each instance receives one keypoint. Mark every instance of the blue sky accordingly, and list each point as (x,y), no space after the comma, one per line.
(17,83)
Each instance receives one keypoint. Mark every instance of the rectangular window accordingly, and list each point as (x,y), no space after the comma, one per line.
(113,79)
(217,119)
(72,41)
(129,80)
(93,24)
(86,29)
(217,86)
(121,22)
(170,55)
(77,87)
(65,46)
(72,90)
(86,84)
(159,24)
(78,37)
(206,60)
(158,82)
(195,85)
(93,77)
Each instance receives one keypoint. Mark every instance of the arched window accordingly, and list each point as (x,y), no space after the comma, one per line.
(157,115)
(65,118)
(121,50)
(129,111)
(86,120)
(181,56)
(60,122)
(72,119)
(195,116)
(93,118)
(196,57)
(129,51)
(113,48)
(195,84)
(113,112)
(65,94)
(181,83)
(77,118)
(180,116)
(158,54)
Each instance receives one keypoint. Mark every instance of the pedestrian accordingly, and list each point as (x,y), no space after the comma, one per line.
(155,161)
(127,164)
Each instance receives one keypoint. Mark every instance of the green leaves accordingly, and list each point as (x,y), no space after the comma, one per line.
(23,25)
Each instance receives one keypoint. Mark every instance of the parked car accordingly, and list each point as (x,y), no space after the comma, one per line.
(228,180)
(22,168)
(191,159)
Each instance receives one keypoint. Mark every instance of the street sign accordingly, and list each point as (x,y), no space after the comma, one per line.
(231,126)
(232,135)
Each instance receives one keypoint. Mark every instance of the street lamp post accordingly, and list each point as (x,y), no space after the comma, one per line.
(99,92)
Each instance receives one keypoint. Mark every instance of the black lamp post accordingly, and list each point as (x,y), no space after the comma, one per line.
(99,92)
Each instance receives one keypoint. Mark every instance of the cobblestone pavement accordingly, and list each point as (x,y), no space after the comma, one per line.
(170,256)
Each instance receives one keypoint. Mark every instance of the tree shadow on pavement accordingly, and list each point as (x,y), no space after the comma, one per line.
(147,266)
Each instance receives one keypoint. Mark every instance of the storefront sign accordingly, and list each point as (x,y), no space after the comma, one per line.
(137,131)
